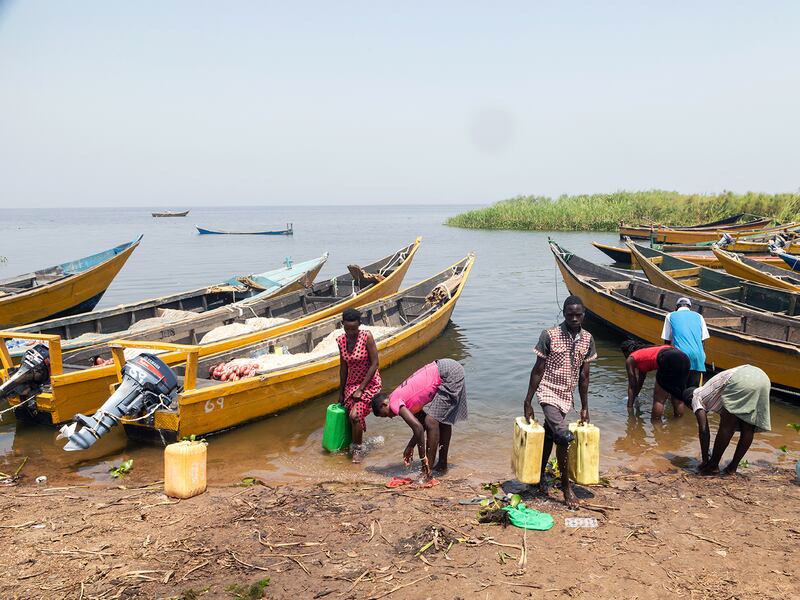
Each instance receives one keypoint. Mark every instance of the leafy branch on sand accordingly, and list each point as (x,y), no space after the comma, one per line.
(603,212)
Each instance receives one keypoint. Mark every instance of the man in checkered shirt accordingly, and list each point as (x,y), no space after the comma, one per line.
(563,354)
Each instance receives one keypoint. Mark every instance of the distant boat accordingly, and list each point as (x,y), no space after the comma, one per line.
(168,213)
(288,231)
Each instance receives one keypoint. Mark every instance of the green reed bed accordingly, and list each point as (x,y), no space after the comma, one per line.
(603,212)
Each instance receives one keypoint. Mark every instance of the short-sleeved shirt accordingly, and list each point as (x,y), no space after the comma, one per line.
(564,357)
(416,391)
(646,358)
(687,330)
(709,396)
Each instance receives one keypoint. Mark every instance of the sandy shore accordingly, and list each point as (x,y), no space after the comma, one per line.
(666,534)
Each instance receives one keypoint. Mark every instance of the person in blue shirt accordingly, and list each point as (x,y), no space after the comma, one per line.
(687,330)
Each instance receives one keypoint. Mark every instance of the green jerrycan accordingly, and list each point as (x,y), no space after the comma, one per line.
(336,433)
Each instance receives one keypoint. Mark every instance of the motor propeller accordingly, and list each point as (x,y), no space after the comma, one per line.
(33,371)
(147,384)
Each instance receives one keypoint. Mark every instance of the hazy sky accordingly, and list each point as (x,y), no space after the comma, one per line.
(214,103)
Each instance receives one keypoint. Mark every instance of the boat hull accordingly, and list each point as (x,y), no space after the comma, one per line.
(725,348)
(729,224)
(70,295)
(83,391)
(756,273)
(226,405)
(203,231)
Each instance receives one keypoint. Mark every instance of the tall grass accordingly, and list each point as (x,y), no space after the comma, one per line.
(603,212)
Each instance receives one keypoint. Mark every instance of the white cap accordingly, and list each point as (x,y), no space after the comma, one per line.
(683,301)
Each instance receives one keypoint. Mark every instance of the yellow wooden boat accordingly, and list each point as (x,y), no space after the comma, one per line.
(668,272)
(76,386)
(645,232)
(765,274)
(417,316)
(66,289)
(668,236)
(638,308)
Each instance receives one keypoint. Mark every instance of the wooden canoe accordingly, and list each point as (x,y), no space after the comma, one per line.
(65,289)
(738,246)
(793,262)
(206,406)
(288,231)
(668,236)
(623,256)
(644,232)
(168,213)
(638,309)
(753,270)
(668,272)
(75,386)
(130,321)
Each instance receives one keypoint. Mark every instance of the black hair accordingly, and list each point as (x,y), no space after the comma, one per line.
(688,393)
(572,301)
(351,314)
(629,346)
(377,402)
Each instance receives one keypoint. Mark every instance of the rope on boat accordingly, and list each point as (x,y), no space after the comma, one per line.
(12,408)
(399,257)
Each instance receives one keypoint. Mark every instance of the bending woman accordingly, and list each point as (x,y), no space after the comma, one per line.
(359,379)
(431,401)
(672,373)
(741,397)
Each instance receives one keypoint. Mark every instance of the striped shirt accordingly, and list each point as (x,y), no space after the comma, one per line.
(709,396)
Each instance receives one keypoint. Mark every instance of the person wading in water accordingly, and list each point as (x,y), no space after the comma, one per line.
(563,354)
(359,379)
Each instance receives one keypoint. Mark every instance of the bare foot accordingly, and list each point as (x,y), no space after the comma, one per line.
(358,453)
(544,487)
(570,499)
(729,471)
(707,470)
(440,469)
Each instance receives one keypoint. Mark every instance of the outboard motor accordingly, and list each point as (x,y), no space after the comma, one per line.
(147,383)
(726,240)
(31,374)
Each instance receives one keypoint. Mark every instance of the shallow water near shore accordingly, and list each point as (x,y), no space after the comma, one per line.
(513,293)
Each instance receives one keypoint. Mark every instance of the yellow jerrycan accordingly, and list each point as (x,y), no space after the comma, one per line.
(526,455)
(584,454)
(185,469)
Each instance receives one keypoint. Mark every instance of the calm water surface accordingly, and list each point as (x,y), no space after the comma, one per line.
(513,293)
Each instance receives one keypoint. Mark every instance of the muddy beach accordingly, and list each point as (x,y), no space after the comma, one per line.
(662,534)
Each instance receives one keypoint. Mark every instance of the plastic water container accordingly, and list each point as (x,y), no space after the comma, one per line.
(336,434)
(526,455)
(185,469)
(584,454)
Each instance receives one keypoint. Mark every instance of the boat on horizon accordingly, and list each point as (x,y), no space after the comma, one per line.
(288,231)
(168,213)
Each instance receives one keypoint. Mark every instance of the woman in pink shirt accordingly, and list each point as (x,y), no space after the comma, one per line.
(431,401)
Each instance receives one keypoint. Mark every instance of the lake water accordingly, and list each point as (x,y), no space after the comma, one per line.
(513,293)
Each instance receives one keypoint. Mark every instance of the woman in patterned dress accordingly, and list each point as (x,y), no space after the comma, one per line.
(358,375)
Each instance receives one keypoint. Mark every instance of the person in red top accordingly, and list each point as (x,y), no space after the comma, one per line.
(431,401)
(563,354)
(359,379)
(672,373)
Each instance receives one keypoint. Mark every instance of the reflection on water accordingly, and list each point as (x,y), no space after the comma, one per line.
(513,293)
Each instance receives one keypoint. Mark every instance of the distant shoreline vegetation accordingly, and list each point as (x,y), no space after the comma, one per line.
(603,212)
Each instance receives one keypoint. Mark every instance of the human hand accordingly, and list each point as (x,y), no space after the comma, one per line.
(528,411)
(357,394)
(585,415)
(408,455)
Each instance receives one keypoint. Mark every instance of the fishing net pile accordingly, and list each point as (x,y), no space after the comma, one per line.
(249,326)
(239,368)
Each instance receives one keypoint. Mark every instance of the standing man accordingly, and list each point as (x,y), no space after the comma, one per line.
(687,330)
(563,354)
